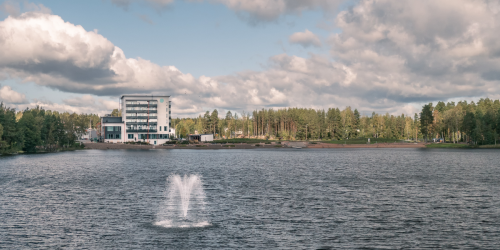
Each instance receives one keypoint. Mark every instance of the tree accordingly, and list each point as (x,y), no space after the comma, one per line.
(116,113)
(426,120)
(356,122)
(214,118)
(346,122)
(229,118)
(206,123)
(30,131)
(469,125)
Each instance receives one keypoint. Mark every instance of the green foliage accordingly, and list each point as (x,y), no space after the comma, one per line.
(447,145)
(116,113)
(477,124)
(364,141)
(426,120)
(36,129)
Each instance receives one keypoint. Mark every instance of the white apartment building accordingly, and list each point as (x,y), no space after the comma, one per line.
(144,118)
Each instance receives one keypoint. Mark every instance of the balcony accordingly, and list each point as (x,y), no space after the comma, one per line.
(142,123)
(141,111)
(141,105)
(142,117)
(141,130)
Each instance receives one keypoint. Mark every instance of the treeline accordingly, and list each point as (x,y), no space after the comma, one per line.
(33,130)
(474,123)
(301,124)
(461,122)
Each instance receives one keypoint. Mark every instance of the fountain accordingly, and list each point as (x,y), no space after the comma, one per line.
(184,204)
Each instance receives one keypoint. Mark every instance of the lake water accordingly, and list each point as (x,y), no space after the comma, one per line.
(267,199)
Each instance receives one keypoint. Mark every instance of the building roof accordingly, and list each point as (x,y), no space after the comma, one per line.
(111,119)
(144,96)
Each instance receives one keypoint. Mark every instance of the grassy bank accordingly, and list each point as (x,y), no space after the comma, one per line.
(76,146)
(489,146)
(447,145)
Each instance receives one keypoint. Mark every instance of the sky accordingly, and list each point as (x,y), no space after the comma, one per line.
(379,56)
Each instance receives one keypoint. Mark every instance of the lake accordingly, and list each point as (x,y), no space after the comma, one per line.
(266,199)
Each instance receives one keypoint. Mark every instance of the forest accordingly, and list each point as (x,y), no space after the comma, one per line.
(474,123)
(34,130)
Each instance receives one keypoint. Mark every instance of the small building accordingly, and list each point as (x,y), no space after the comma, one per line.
(201,137)
(90,134)
(112,129)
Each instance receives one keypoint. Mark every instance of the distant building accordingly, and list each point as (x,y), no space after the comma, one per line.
(144,118)
(112,129)
(90,134)
(201,138)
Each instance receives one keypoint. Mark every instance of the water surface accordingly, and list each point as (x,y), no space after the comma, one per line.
(291,199)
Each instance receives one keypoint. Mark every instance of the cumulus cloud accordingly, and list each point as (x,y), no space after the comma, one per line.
(7,95)
(414,52)
(306,39)
(48,51)
(388,56)
(100,106)
(89,102)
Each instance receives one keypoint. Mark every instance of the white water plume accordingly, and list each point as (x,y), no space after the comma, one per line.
(184,204)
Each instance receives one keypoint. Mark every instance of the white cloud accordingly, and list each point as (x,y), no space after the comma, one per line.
(46,50)
(306,39)
(9,96)
(416,52)
(389,56)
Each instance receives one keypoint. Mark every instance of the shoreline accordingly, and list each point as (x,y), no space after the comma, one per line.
(106,146)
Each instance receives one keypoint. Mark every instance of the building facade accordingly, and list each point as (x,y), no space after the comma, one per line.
(111,129)
(145,118)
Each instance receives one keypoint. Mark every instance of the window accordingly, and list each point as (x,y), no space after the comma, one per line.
(113,136)
(164,128)
(131,136)
(163,136)
(160,128)
(113,128)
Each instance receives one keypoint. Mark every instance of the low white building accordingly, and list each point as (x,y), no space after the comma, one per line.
(201,138)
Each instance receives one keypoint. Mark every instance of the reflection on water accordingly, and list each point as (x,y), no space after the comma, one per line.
(371,198)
